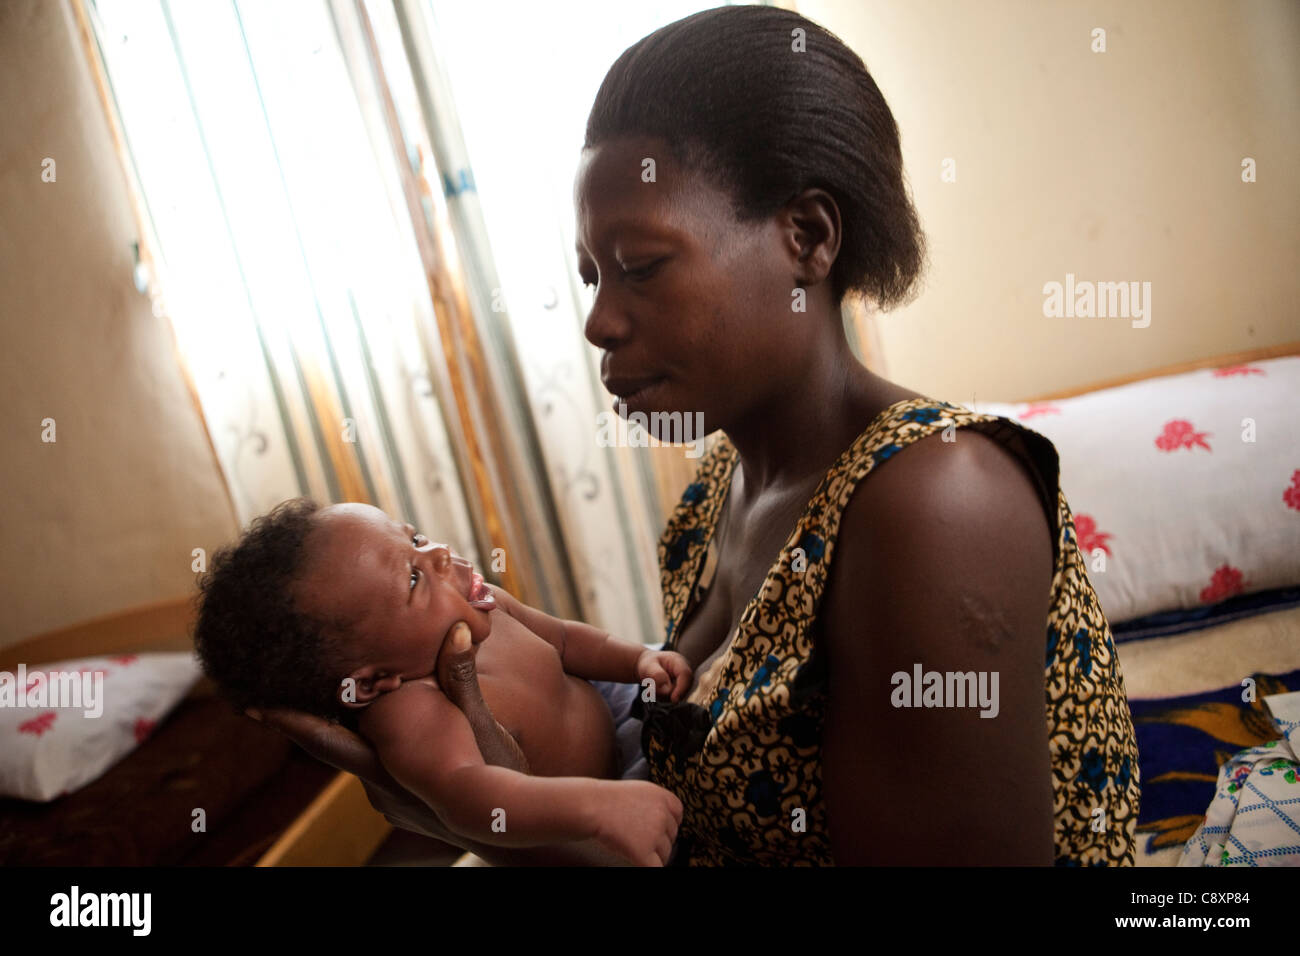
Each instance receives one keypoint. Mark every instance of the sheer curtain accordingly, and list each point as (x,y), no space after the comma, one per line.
(312,224)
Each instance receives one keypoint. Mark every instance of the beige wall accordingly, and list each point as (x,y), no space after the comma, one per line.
(1114,166)
(106,516)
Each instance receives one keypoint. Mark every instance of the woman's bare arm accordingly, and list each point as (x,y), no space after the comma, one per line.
(943,559)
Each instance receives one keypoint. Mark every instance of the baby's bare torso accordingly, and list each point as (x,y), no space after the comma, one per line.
(562,723)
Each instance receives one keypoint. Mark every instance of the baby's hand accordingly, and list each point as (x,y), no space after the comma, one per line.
(637,820)
(668,669)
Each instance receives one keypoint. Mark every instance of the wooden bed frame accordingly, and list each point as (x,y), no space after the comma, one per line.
(339,827)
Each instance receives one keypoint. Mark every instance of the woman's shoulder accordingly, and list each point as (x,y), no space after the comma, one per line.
(950,451)
(943,551)
(928,460)
(913,419)
(941,505)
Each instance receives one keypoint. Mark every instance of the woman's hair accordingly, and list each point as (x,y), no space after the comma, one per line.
(251,639)
(734,100)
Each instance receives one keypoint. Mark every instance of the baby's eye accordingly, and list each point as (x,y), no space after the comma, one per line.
(417,538)
(415,576)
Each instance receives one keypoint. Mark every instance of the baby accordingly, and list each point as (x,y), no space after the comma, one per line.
(342,611)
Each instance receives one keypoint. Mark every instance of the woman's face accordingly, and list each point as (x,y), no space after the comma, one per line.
(692,307)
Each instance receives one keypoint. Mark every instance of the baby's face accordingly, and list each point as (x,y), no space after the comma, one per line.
(403,591)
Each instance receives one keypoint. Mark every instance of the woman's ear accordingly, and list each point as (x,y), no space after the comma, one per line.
(813,222)
(365,685)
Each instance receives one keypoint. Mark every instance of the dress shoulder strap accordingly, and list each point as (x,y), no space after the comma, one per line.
(898,426)
(685,538)
(805,559)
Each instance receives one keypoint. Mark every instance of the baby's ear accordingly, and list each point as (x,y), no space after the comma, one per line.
(365,685)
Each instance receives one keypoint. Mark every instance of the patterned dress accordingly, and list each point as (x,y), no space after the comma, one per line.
(744,752)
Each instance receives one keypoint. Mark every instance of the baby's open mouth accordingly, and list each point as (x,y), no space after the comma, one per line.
(480,595)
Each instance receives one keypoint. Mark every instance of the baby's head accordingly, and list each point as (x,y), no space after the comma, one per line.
(310,596)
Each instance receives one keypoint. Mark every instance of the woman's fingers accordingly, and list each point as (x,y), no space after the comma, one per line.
(328,742)
(458,679)
(456,674)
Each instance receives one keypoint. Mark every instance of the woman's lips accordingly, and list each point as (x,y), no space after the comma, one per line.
(631,392)
(480,595)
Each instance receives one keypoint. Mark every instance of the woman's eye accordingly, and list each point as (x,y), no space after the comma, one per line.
(643,272)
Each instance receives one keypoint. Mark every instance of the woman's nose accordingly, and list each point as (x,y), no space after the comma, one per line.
(606,326)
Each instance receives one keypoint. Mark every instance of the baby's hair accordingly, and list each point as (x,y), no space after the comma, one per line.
(256,645)
(767,112)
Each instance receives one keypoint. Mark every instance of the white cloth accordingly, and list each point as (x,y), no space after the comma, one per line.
(1254,819)
(52,743)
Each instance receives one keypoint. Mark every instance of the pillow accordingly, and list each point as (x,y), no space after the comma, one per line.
(1185,489)
(1169,623)
(63,725)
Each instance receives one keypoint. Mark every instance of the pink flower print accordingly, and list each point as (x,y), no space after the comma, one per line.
(1181,434)
(1224,583)
(1085,529)
(124,659)
(1229,370)
(1292,495)
(143,728)
(38,725)
(1039,408)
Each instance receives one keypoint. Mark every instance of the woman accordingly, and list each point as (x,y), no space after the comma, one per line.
(869,653)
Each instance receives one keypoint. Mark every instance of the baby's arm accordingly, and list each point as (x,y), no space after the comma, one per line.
(593,654)
(586,651)
(425,743)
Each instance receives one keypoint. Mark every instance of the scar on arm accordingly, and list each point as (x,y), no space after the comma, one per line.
(982,622)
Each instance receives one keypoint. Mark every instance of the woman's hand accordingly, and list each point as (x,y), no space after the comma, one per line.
(339,747)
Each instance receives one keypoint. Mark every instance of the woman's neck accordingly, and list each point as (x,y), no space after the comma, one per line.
(792,439)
